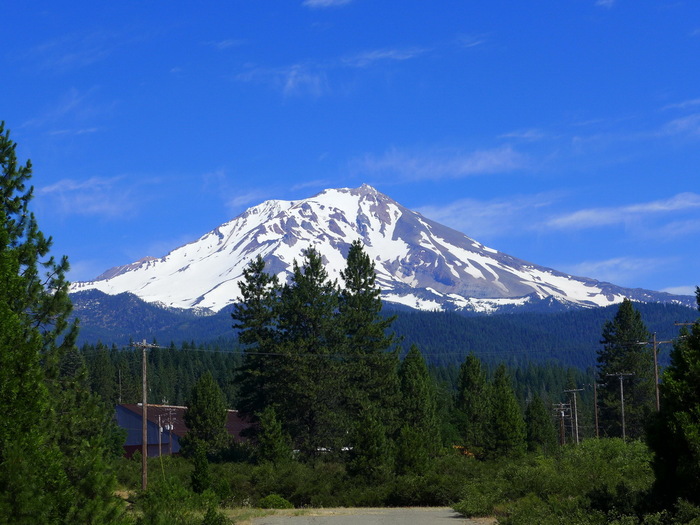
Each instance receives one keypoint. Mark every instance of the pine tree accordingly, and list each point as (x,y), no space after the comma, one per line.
(625,352)
(675,434)
(255,318)
(473,401)
(273,444)
(418,410)
(372,362)
(310,371)
(54,435)
(508,424)
(370,453)
(205,418)
(541,434)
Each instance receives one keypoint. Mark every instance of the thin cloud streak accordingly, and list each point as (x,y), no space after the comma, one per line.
(619,270)
(96,196)
(315,4)
(312,78)
(596,217)
(368,58)
(489,219)
(440,165)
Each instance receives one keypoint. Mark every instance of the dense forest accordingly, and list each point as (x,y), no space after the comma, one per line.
(570,339)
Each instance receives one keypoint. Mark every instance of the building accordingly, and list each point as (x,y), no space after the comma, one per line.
(166,426)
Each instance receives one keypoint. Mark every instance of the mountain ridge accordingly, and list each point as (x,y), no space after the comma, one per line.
(419,263)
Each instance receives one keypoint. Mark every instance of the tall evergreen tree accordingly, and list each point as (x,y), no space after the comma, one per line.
(675,434)
(473,401)
(273,443)
(255,318)
(508,423)
(310,369)
(370,452)
(372,354)
(418,410)
(624,352)
(541,433)
(54,435)
(205,418)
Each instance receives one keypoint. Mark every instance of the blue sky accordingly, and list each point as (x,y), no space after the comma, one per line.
(563,132)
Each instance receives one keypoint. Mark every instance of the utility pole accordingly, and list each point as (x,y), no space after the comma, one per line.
(575,422)
(595,406)
(620,375)
(655,345)
(561,410)
(144,412)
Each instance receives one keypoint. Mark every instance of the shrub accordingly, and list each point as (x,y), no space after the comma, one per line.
(274,501)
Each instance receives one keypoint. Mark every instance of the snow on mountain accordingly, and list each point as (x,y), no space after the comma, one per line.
(419,263)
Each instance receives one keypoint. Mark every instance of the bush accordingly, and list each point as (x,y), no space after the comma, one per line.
(274,501)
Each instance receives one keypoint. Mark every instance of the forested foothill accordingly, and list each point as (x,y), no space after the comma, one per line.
(345,412)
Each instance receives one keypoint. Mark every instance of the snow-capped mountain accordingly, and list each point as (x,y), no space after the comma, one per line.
(419,263)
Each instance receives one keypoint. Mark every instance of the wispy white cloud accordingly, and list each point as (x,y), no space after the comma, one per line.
(74,113)
(72,51)
(294,80)
(531,135)
(689,125)
(324,3)
(684,104)
(467,41)
(110,197)
(368,58)
(605,3)
(680,290)
(318,183)
(489,219)
(246,198)
(596,217)
(224,44)
(84,131)
(619,270)
(314,77)
(443,165)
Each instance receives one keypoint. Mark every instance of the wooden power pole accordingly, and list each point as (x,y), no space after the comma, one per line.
(144,412)
(620,375)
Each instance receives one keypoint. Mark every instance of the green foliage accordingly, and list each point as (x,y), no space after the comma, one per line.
(508,424)
(371,369)
(273,444)
(214,517)
(370,453)
(623,353)
(255,318)
(169,502)
(274,501)
(206,418)
(473,400)
(596,480)
(675,435)
(411,451)
(201,477)
(540,431)
(54,435)
(418,404)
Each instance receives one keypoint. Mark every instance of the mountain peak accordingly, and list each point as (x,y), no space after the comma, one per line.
(419,263)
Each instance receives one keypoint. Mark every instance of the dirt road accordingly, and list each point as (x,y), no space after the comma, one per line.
(378,516)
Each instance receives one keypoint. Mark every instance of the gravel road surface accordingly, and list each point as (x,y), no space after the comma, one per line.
(378,516)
